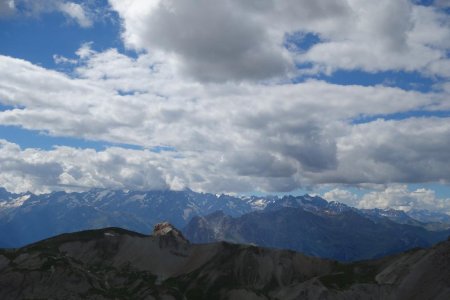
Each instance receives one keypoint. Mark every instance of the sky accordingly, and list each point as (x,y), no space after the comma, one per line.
(348,99)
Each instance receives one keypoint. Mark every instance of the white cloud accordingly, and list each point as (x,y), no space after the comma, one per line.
(59,59)
(231,137)
(85,51)
(342,196)
(80,169)
(212,41)
(387,35)
(410,150)
(162,108)
(80,13)
(230,132)
(235,40)
(76,12)
(75,169)
(396,196)
(400,197)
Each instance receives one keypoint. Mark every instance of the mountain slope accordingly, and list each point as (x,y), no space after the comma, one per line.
(345,236)
(433,220)
(114,263)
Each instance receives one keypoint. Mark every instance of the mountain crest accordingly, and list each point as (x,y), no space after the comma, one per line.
(169,235)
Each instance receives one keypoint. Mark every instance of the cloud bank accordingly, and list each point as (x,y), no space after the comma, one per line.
(230,89)
(397,196)
(232,137)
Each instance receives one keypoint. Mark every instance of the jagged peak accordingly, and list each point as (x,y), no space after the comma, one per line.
(165,229)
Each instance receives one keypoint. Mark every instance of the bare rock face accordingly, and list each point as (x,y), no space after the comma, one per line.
(169,236)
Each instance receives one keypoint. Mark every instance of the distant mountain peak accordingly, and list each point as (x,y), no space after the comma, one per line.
(5,194)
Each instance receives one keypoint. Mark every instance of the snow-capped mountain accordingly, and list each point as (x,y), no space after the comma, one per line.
(314,204)
(26,218)
(7,198)
(258,203)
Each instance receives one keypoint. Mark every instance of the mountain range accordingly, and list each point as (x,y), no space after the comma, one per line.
(306,223)
(114,263)
(346,236)
(26,218)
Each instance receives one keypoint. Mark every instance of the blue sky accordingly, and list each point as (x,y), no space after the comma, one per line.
(38,38)
(134,94)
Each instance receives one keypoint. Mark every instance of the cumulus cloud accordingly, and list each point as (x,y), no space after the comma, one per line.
(387,35)
(213,41)
(209,84)
(411,150)
(245,40)
(229,137)
(74,169)
(396,196)
(342,196)
(400,197)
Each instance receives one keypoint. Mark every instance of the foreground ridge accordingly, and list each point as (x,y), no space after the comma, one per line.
(113,263)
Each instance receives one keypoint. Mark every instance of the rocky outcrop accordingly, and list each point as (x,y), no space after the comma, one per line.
(170,237)
(167,229)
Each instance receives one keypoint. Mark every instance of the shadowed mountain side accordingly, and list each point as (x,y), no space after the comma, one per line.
(114,263)
(345,236)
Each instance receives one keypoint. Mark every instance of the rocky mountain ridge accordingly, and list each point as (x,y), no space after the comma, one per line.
(113,263)
(345,236)
(26,218)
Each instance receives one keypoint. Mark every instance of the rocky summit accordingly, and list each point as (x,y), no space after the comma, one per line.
(169,236)
(114,263)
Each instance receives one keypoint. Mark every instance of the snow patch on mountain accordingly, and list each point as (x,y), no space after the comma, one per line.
(187,213)
(19,201)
